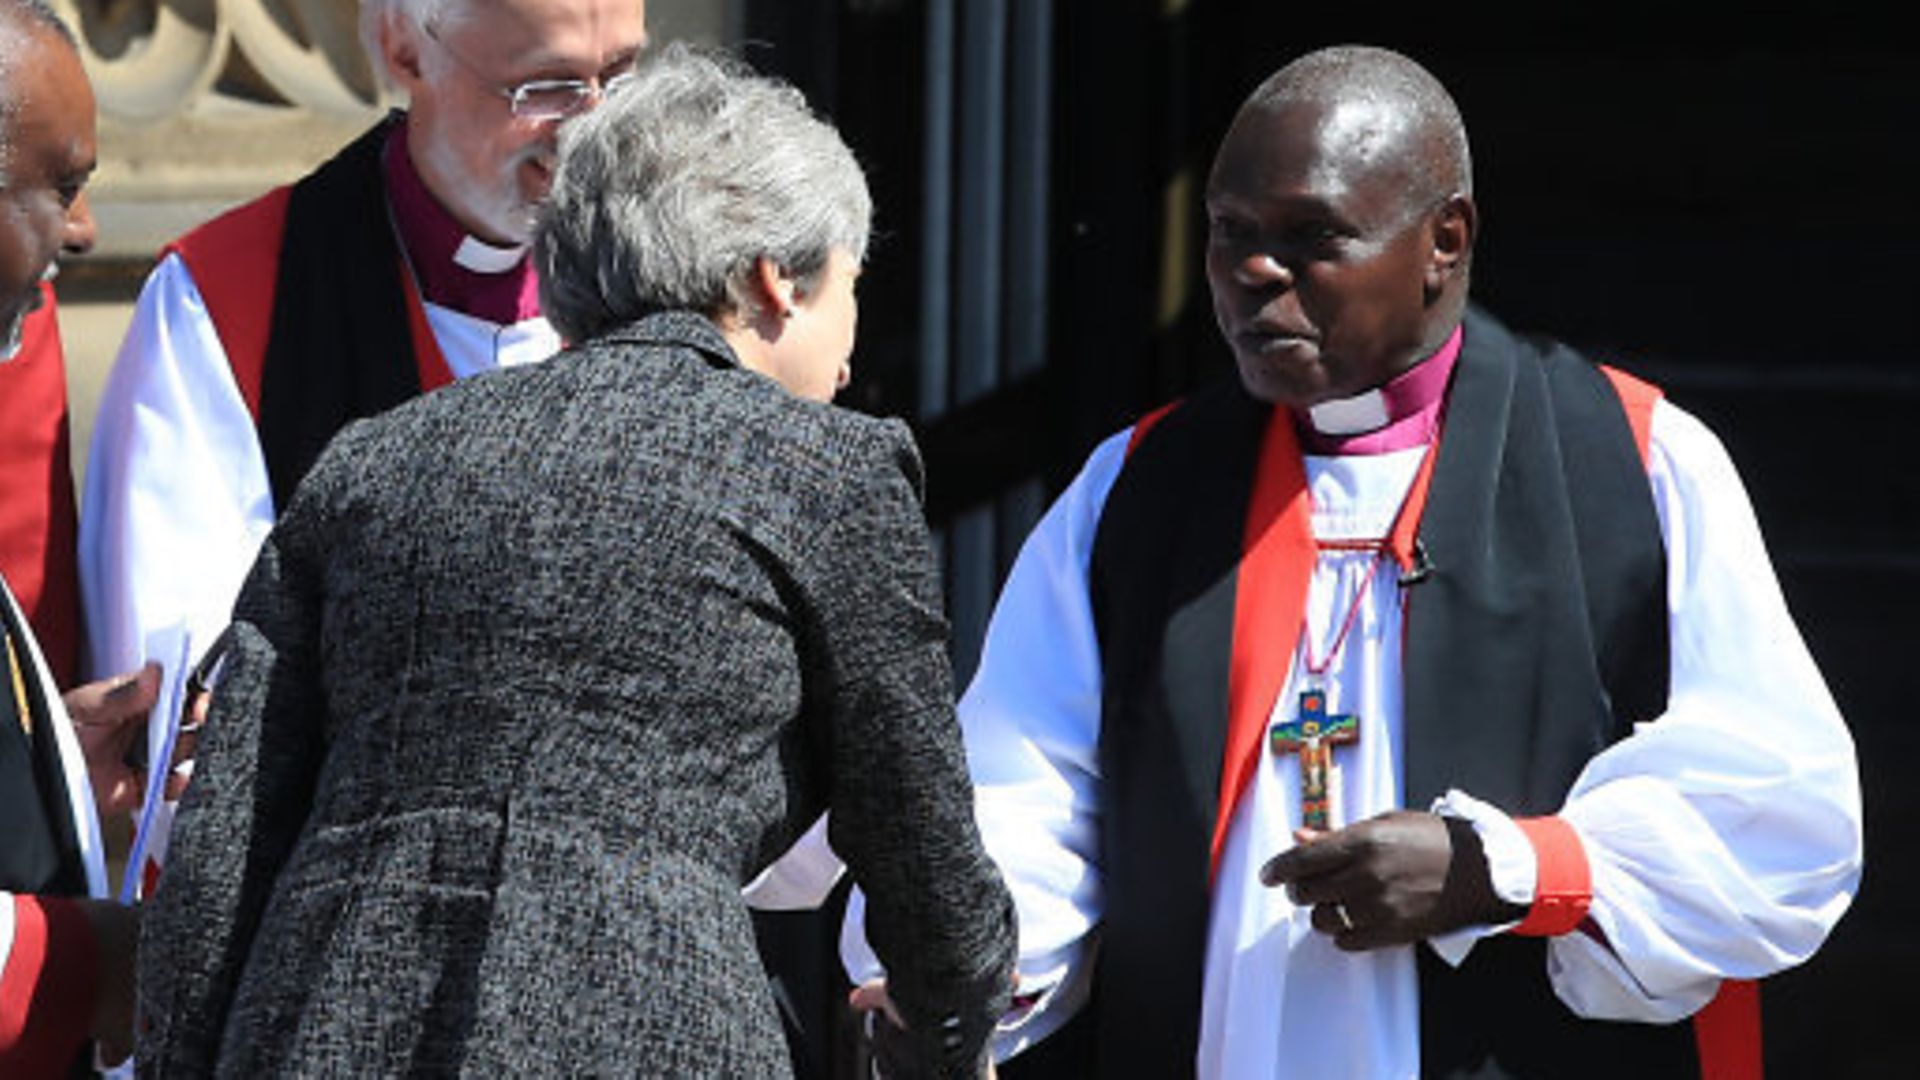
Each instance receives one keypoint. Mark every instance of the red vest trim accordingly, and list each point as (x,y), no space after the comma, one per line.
(47,988)
(235,263)
(1565,888)
(1146,423)
(432,365)
(36,490)
(1269,604)
(1637,397)
(1727,1033)
(1269,601)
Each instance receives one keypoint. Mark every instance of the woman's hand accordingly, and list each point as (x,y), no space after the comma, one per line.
(871,998)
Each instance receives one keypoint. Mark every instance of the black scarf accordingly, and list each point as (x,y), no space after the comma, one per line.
(42,849)
(340,347)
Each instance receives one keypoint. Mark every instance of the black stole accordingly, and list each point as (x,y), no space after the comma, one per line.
(42,849)
(340,347)
(1539,639)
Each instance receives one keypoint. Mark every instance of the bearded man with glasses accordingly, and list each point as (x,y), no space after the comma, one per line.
(396,267)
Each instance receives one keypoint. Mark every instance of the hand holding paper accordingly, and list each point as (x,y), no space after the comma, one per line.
(107,717)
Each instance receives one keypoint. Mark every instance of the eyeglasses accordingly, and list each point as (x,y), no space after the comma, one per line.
(541,99)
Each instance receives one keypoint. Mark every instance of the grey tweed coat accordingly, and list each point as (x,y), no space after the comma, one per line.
(533,674)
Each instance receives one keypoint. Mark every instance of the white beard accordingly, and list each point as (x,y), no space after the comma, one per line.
(499,205)
(16,328)
(10,344)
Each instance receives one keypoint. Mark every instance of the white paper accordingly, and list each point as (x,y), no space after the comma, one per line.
(171,648)
(801,879)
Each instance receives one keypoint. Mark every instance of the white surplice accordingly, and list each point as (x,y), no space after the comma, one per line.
(176,500)
(1724,837)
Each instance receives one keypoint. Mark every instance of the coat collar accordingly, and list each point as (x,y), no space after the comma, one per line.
(677,328)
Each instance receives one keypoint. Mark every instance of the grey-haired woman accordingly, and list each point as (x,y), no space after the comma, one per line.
(538,670)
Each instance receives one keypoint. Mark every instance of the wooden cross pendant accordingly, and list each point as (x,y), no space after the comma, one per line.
(1313,735)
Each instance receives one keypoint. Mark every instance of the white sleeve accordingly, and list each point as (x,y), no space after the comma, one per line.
(6,928)
(1031,719)
(176,499)
(1724,837)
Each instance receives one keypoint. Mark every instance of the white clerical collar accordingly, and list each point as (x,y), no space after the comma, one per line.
(1356,415)
(481,257)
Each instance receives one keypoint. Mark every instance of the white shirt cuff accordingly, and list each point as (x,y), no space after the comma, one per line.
(1511,865)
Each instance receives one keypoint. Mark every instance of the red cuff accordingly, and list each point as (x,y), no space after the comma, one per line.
(1565,884)
(47,988)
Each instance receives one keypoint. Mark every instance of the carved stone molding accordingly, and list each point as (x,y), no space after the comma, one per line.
(204,103)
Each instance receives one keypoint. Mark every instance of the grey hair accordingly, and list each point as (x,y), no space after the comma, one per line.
(1346,74)
(375,12)
(19,20)
(668,194)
